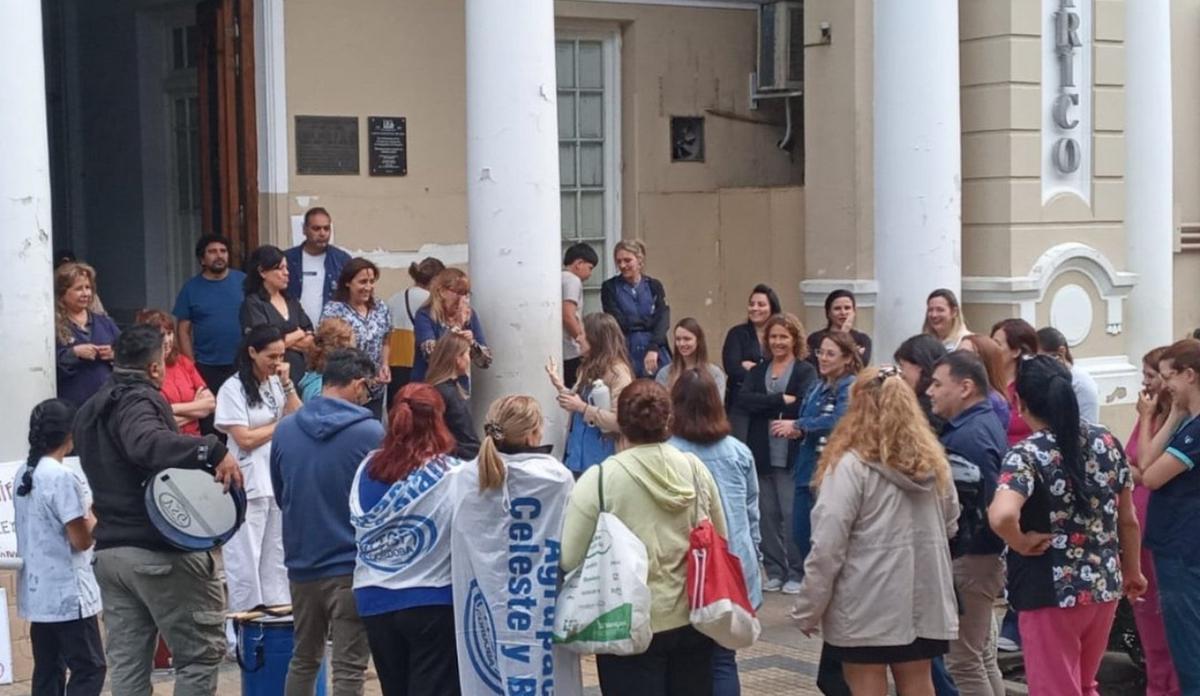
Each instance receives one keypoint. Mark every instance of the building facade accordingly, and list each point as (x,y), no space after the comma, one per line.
(1036,156)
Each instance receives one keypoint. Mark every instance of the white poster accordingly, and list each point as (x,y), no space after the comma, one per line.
(8,529)
(6,660)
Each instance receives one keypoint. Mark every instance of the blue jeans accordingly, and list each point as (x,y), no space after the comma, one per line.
(802,520)
(943,685)
(1179,600)
(725,672)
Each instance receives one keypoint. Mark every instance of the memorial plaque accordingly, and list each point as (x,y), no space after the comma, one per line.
(387,145)
(327,145)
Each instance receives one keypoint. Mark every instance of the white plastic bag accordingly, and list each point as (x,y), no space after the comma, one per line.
(604,604)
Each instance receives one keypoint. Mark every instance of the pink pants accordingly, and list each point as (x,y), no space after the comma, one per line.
(1063,648)
(1161,679)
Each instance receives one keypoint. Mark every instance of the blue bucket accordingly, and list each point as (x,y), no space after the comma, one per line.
(264,649)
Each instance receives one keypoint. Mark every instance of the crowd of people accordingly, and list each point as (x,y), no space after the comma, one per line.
(897,503)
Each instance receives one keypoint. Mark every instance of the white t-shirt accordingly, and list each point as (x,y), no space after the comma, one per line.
(232,410)
(312,286)
(56,581)
(572,291)
(416,297)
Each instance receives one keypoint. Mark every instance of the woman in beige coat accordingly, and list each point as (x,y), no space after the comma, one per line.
(877,583)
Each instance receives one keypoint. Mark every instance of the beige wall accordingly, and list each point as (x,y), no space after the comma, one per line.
(1005,225)
(381,58)
(1185,50)
(839,181)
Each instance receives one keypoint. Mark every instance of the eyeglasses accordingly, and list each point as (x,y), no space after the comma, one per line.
(321,228)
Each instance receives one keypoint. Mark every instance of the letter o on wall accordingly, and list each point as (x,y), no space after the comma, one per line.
(1067,155)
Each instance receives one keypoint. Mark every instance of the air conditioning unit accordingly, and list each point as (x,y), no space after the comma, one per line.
(781,46)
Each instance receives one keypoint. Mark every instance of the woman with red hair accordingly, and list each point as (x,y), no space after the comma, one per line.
(184,389)
(401,507)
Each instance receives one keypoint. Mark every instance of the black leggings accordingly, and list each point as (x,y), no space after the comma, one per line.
(415,651)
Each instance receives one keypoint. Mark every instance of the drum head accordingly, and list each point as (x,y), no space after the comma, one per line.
(191,510)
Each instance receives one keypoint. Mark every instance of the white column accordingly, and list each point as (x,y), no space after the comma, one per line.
(1149,174)
(513,198)
(26,285)
(918,184)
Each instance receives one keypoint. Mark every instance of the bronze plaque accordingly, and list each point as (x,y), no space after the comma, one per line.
(387,145)
(327,145)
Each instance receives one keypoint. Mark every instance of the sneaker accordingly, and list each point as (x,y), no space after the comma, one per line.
(772,585)
(791,587)
(1005,644)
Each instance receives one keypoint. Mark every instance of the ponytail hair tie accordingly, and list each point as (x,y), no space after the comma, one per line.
(494,431)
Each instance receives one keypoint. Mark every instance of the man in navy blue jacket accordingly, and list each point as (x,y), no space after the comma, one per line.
(315,454)
(975,442)
(315,266)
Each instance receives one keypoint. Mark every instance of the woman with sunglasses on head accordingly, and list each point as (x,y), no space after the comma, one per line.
(838,362)
(883,518)
(1064,507)
(1168,469)
(448,310)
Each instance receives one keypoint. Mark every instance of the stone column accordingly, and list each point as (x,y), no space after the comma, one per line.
(918,177)
(513,203)
(26,286)
(1149,175)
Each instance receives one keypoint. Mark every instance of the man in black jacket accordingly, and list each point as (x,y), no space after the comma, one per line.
(124,434)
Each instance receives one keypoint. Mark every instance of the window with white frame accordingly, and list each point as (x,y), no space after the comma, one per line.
(587,150)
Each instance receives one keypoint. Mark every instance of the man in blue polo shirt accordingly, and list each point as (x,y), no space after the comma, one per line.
(207,310)
(314,266)
(975,443)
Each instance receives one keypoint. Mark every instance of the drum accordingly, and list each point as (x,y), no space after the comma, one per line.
(191,510)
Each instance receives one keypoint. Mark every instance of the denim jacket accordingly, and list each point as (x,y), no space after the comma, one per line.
(732,467)
(823,407)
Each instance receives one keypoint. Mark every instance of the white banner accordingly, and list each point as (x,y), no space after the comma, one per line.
(506,582)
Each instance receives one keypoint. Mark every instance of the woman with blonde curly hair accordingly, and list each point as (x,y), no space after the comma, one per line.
(878,583)
(332,333)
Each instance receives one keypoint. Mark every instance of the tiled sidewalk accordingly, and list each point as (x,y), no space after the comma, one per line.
(783,662)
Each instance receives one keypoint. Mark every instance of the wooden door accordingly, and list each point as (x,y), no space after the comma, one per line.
(228,132)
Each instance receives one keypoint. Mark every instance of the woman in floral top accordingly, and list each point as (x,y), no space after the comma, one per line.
(1064,506)
(354,302)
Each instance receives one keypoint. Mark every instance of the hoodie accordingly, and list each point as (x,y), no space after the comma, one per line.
(879,571)
(660,493)
(315,453)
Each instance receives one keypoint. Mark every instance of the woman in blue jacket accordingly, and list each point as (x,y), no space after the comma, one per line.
(639,304)
(838,361)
